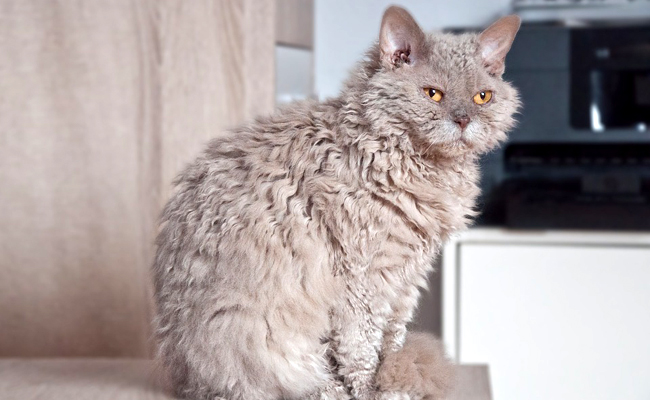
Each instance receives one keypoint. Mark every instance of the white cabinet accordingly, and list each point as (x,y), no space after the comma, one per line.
(555,315)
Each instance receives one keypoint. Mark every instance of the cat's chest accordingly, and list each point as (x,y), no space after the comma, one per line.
(434,207)
(454,203)
(375,228)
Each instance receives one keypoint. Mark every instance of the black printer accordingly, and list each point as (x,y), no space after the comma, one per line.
(580,155)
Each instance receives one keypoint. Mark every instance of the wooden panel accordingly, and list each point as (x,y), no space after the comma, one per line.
(101,103)
(217,70)
(258,29)
(73,248)
(81,379)
(295,23)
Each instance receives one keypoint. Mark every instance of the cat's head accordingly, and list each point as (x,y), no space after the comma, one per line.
(445,91)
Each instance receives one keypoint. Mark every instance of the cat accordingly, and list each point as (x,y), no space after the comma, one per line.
(291,255)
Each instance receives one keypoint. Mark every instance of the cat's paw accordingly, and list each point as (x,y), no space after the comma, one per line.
(365,393)
(336,393)
(332,391)
(393,396)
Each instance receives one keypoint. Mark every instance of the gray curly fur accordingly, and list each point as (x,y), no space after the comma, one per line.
(291,255)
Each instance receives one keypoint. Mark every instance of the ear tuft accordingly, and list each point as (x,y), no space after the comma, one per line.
(495,42)
(400,38)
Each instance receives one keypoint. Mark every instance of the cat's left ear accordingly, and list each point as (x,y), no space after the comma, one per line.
(401,40)
(495,42)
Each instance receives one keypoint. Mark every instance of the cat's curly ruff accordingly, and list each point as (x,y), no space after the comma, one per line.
(291,256)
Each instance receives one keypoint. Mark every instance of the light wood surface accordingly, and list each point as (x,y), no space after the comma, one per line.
(101,104)
(295,23)
(80,379)
(473,383)
(217,70)
(123,379)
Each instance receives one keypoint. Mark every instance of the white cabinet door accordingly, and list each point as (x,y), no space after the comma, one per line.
(556,322)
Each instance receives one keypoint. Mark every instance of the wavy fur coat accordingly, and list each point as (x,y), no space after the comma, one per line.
(291,256)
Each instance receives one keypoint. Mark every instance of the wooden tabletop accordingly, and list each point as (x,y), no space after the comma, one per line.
(126,379)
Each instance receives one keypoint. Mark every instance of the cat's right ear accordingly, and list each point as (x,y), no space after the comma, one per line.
(401,40)
(495,42)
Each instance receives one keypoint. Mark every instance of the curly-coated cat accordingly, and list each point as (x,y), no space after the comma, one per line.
(291,255)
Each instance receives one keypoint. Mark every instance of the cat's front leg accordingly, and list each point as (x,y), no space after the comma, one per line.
(332,390)
(356,344)
(358,366)
(393,341)
(395,331)
(394,335)
(394,396)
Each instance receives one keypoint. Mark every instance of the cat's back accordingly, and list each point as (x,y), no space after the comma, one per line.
(243,209)
(252,181)
(240,259)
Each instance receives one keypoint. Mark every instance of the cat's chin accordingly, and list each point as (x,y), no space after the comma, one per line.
(458,148)
(461,141)
(461,146)
(473,140)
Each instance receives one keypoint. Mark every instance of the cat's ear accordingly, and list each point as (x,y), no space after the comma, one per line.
(401,40)
(495,42)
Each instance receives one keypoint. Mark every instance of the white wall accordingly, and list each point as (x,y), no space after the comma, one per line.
(345,29)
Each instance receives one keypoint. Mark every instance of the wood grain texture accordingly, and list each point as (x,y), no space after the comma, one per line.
(295,23)
(81,379)
(216,69)
(122,379)
(101,104)
(73,249)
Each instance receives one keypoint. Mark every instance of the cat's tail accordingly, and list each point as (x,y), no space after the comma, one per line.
(421,369)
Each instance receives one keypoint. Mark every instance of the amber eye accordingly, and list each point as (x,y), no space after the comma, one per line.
(435,94)
(483,97)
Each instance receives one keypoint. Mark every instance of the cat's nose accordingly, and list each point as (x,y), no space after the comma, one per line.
(462,121)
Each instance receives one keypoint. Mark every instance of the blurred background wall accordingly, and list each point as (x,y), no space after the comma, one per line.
(101,104)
